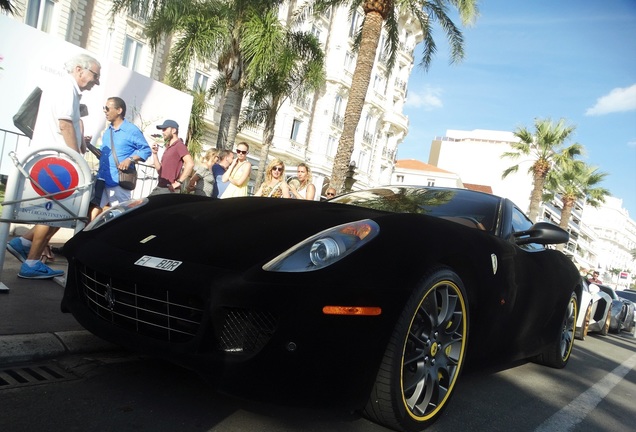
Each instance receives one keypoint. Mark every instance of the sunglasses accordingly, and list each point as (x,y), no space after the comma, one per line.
(277,169)
(106,108)
(95,75)
(330,194)
(241,151)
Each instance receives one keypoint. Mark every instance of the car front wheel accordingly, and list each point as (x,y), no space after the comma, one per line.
(424,356)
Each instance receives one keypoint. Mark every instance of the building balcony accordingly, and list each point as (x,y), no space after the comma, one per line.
(399,120)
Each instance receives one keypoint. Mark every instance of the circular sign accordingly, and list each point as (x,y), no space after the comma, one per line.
(54,175)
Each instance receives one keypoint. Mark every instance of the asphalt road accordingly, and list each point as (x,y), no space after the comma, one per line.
(122,392)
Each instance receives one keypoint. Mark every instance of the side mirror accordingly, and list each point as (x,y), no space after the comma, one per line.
(542,233)
(594,289)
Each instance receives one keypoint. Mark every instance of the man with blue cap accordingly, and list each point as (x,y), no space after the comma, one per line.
(176,164)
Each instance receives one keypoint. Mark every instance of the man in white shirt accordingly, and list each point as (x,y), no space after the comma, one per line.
(58,123)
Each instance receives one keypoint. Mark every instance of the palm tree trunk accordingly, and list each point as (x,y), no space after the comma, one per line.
(566,214)
(536,197)
(268,138)
(371,31)
(229,118)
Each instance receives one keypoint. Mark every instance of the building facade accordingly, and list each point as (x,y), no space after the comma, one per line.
(307,128)
(616,244)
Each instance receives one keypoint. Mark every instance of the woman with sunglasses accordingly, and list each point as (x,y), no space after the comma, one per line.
(238,173)
(306,190)
(274,185)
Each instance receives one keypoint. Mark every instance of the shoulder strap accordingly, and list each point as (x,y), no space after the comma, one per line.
(112,146)
(274,189)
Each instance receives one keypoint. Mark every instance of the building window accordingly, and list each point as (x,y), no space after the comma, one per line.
(355,20)
(430,182)
(295,129)
(315,31)
(350,60)
(200,81)
(332,146)
(399,179)
(132,54)
(39,13)
(337,105)
(70,26)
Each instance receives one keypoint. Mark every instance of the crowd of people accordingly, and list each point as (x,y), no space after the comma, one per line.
(219,174)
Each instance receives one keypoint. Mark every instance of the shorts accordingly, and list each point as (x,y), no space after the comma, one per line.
(113,196)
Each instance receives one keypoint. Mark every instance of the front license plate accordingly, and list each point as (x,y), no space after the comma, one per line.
(158,263)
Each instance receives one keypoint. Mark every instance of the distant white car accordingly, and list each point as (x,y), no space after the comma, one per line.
(595,306)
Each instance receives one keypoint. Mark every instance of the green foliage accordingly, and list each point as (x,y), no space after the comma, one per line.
(576,181)
(197,127)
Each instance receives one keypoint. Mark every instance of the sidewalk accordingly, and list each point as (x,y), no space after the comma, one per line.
(32,326)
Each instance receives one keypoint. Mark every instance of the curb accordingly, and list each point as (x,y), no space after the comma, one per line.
(39,346)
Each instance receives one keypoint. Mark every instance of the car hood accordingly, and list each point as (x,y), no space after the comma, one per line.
(230,233)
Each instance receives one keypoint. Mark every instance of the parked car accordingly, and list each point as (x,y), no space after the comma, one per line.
(375,300)
(628,294)
(622,312)
(595,307)
(631,296)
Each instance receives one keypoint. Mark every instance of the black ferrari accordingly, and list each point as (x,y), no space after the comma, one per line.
(375,300)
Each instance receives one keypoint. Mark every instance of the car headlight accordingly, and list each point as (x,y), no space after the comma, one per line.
(325,248)
(114,212)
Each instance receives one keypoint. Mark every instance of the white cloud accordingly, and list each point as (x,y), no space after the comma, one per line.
(618,100)
(429,99)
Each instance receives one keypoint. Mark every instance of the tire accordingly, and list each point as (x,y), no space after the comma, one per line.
(424,357)
(606,326)
(586,322)
(557,353)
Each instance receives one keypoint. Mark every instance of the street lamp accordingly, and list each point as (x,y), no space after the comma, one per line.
(349,180)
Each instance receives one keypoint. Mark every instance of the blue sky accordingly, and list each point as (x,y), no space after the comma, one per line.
(571,59)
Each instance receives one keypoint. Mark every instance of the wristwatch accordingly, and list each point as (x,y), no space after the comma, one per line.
(131,159)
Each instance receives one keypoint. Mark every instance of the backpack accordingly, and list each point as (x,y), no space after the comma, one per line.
(26,116)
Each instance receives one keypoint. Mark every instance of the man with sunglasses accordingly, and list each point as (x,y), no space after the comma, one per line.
(57,124)
(125,141)
(176,164)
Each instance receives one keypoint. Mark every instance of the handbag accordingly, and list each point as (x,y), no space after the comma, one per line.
(26,116)
(128,178)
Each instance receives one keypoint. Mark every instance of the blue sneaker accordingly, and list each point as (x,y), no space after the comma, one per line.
(40,271)
(18,250)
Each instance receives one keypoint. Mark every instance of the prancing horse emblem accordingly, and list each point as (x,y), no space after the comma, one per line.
(109,297)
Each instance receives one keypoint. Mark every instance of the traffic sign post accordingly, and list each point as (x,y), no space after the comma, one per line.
(48,186)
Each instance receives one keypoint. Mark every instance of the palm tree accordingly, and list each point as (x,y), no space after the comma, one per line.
(6,6)
(205,30)
(379,13)
(544,147)
(572,182)
(281,64)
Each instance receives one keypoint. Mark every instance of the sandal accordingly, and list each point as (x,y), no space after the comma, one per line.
(47,255)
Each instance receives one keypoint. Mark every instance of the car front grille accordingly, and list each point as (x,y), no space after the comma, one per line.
(246,330)
(160,313)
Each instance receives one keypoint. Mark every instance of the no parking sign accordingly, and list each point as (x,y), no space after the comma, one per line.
(55,190)
(53,174)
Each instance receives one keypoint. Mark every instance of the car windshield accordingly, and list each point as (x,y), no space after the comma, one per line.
(629,295)
(475,209)
(609,291)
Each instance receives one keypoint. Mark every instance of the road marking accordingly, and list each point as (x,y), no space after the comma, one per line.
(574,413)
